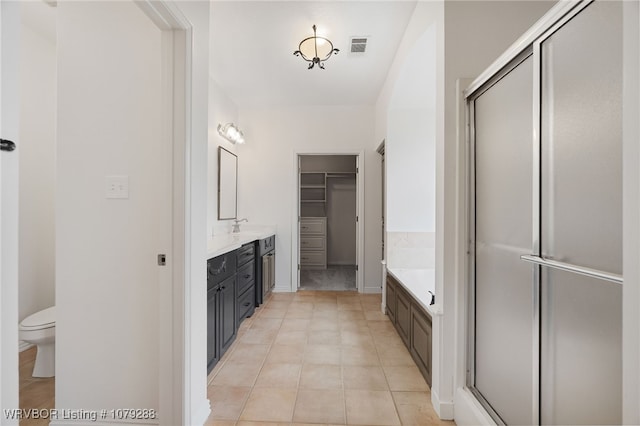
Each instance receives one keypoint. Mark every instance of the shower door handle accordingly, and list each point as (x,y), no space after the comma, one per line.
(593,273)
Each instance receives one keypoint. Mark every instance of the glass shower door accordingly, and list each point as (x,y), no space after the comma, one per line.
(581,219)
(503,217)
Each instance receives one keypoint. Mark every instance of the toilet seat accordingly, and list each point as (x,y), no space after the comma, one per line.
(40,320)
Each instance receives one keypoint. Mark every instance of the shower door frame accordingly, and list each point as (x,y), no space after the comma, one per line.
(528,45)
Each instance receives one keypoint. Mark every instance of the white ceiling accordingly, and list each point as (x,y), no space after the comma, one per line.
(253,43)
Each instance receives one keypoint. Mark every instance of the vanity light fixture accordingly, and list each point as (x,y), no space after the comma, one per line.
(315,50)
(231,133)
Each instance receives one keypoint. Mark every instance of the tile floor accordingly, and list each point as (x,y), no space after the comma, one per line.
(327,358)
(34,392)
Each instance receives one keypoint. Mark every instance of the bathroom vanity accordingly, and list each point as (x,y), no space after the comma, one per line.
(231,287)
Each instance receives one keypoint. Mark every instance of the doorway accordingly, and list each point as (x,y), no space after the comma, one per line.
(328,218)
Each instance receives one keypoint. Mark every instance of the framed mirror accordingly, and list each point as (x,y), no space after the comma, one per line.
(227,184)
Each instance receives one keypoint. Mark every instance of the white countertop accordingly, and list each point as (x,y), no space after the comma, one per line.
(224,243)
(418,282)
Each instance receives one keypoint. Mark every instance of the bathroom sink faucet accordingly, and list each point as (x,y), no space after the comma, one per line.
(236,225)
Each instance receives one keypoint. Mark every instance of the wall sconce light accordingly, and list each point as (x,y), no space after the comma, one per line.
(231,133)
(315,50)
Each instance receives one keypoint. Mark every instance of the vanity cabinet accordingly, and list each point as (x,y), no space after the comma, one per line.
(246,293)
(413,324)
(222,323)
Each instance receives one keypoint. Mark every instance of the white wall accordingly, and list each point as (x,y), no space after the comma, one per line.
(476,33)
(109,123)
(267,180)
(222,110)
(37,160)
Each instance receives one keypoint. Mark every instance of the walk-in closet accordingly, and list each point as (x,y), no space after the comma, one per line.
(328,222)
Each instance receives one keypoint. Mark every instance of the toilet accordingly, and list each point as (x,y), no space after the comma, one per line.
(40,330)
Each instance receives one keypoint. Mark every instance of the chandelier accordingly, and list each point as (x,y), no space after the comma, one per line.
(315,50)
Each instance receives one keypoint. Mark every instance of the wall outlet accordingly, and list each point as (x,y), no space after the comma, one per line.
(116,187)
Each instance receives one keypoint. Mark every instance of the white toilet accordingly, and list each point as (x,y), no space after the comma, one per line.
(40,329)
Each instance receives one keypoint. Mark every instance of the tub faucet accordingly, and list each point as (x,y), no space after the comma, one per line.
(236,225)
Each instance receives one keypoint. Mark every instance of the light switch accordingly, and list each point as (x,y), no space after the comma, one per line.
(116,187)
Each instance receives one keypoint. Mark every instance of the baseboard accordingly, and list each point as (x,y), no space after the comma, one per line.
(23,346)
(444,409)
(469,411)
(372,290)
(277,289)
(201,416)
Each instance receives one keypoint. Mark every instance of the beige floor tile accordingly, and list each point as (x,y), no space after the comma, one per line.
(323,337)
(381,326)
(415,409)
(321,376)
(356,338)
(326,323)
(244,423)
(295,324)
(325,306)
(354,324)
(291,338)
(292,354)
(227,402)
(237,374)
(322,354)
(351,315)
(266,324)
(258,337)
(273,313)
(354,355)
(320,315)
(279,376)
(279,297)
(279,304)
(405,378)
(301,306)
(270,404)
(213,422)
(374,315)
(390,338)
(299,314)
(319,406)
(364,377)
(396,357)
(247,353)
(370,408)
(355,306)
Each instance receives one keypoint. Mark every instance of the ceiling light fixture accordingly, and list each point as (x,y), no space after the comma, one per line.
(231,133)
(312,49)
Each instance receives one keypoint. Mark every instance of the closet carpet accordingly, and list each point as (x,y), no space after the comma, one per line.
(334,278)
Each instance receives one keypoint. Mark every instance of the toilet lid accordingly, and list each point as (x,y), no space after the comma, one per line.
(41,319)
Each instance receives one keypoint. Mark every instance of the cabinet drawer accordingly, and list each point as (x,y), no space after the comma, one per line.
(246,253)
(312,258)
(247,303)
(313,226)
(220,268)
(246,276)
(312,243)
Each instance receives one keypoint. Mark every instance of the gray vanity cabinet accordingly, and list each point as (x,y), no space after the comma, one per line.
(413,324)
(221,306)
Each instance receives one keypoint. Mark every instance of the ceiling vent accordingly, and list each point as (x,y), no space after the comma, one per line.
(358,45)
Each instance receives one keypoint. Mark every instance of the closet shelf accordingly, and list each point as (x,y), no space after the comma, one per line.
(312,186)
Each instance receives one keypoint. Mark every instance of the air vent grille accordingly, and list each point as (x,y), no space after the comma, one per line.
(359,45)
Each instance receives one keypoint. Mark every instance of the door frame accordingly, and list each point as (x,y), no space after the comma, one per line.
(295,215)
(175,284)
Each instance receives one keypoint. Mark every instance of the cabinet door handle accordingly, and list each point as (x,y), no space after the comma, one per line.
(247,276)
(247,304)
(304,227)
(223,287)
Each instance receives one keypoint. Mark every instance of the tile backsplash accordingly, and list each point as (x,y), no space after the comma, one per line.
(412,250)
